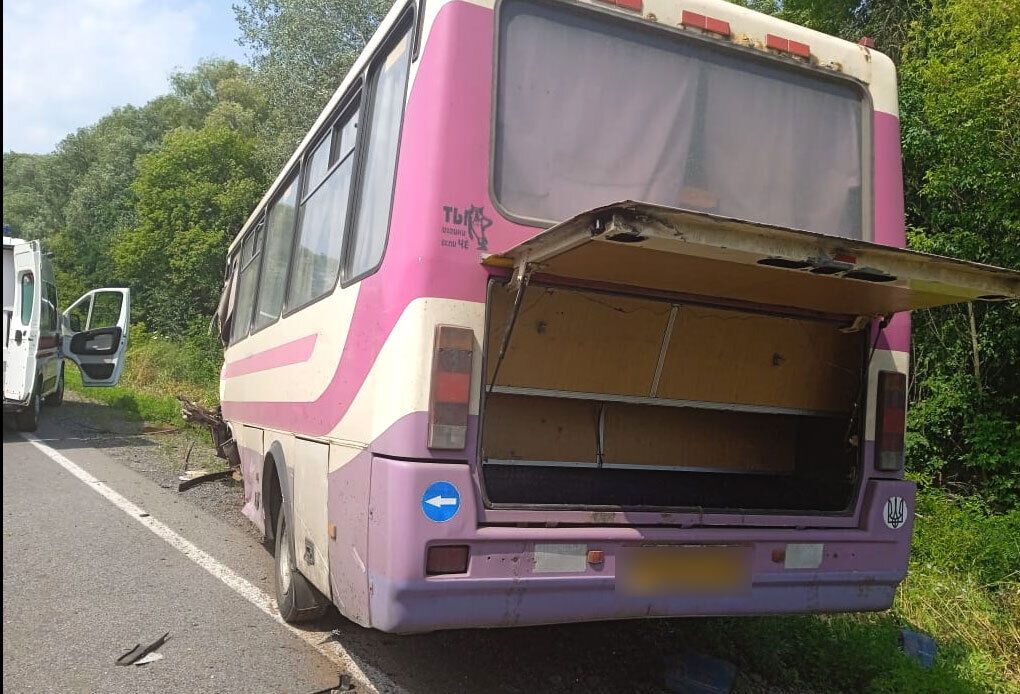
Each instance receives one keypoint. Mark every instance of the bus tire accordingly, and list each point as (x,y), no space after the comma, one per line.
(28,418)
(55,398)
(296,598)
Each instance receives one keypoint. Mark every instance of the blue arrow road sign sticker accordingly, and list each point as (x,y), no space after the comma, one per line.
(440,502)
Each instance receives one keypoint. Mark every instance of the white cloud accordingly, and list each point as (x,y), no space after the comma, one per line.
(68,62)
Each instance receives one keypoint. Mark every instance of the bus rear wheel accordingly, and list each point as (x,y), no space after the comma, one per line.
(296,598)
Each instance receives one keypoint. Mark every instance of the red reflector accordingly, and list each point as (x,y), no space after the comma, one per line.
(635,5)
(446,559)
(890,420)
(700,21)
(450,388)
(596,556)
(778,43)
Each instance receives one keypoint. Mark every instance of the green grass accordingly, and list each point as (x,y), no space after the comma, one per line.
(136,405)
(155,372)
(962,588)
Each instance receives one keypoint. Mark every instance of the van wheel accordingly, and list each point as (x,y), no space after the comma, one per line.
(296,598)
(28,418)
(56,397)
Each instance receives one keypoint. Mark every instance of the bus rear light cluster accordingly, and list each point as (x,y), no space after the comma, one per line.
(890,420)
(778,43)
(450,387)
(709,24)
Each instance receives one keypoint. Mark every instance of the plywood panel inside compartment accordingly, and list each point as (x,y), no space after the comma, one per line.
(531,428)
(577,341)
(699,439)
(733,357)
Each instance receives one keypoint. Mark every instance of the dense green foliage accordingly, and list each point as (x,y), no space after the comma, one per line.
(301,50)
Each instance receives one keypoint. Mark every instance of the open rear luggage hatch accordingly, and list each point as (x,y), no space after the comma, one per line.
(668,251)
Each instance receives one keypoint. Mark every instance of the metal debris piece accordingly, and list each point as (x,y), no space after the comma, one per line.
(148,658)
(700,674)
(136,653)
(918,646)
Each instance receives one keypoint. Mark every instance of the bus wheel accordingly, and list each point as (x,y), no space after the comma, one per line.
(296,598)
(56,397)
(28,418)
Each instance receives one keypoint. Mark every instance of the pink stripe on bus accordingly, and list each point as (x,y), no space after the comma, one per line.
(295,352)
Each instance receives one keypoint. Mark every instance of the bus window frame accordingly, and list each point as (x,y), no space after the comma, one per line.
(680,34)
(293,175)
(351,103)
(241,267)
(403,29)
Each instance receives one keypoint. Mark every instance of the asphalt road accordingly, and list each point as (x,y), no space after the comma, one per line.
(84,581)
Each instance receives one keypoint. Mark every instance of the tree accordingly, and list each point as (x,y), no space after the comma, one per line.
(960,100)
(193,195)
(301,51)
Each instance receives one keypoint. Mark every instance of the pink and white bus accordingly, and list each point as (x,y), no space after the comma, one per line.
(584,310)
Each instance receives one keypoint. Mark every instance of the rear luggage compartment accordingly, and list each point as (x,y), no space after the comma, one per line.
(661,358)
(608,399)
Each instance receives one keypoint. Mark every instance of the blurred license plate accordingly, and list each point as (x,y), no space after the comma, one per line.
(690,569)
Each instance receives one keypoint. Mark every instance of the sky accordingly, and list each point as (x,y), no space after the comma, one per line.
(69,62)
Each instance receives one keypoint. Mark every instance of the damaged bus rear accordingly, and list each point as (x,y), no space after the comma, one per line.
(630,337)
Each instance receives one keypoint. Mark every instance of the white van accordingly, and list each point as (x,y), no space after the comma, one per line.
(92,333)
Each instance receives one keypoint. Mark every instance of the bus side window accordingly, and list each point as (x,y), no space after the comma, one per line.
(251,249)
(324,211)
(279,238)
(389,87)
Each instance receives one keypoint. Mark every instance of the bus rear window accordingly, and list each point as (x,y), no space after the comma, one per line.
(592,111)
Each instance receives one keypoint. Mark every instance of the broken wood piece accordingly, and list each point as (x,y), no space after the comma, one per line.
(139,651)
(192,477)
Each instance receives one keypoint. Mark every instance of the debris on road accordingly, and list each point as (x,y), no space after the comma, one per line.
(192,477)
(345,685)
(139,651)
(701,674)
(918,646)
(148,658)
(226,446)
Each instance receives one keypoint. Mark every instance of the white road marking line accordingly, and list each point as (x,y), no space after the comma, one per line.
(366,675)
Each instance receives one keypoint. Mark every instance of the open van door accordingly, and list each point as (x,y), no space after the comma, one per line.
(21,322)
(678,253)
(95,334)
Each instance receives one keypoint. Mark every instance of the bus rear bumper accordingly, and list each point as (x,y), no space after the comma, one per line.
(455,603)
(531,575)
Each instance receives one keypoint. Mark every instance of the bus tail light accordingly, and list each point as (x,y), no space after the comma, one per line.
(446,559)
(890,420)
(450,387)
